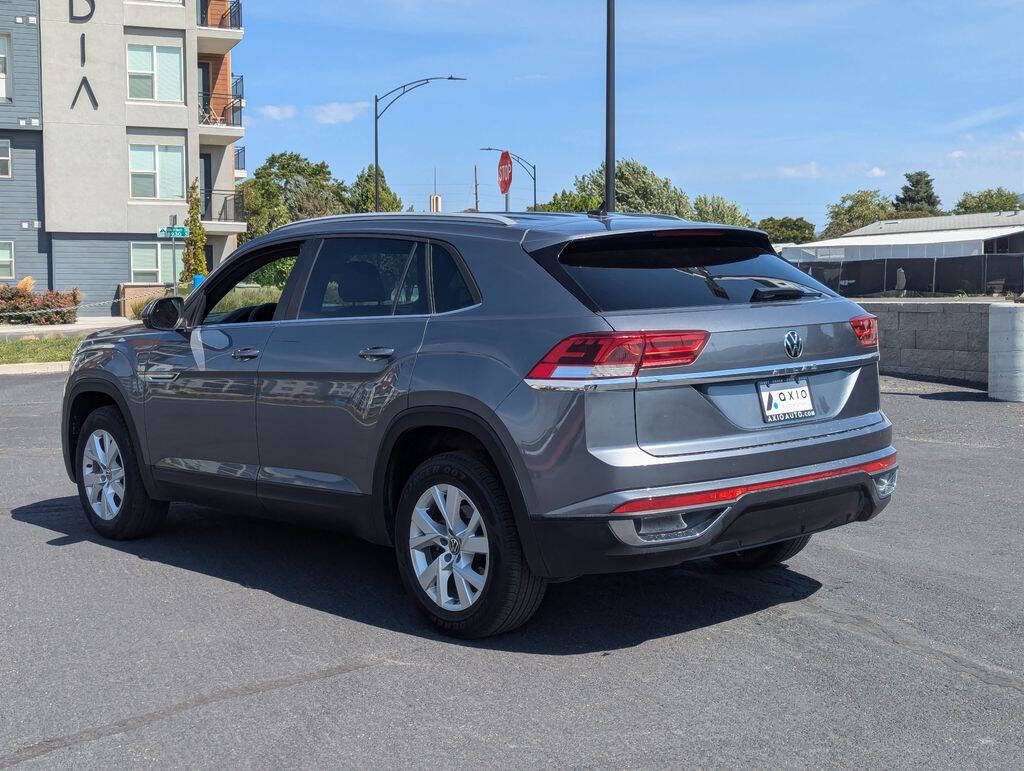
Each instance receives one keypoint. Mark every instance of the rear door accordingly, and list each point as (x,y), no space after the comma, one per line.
(782,361)
(332,377)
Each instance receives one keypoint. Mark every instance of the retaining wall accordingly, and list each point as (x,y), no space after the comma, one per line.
(936,340)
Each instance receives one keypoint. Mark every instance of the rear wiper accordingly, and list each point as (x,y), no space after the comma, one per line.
(781,293)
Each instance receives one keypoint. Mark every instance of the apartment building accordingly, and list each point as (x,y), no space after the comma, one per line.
(114,107)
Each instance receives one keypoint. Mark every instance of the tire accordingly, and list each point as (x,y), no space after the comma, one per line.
(510,593)
(763,556)
(133,514)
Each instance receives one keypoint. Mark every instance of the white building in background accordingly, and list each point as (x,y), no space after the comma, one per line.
(971,253)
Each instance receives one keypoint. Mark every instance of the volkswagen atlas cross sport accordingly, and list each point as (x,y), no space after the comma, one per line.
(507,400)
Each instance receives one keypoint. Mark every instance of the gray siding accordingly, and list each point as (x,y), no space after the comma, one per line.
(21,200)
(24,76)
(96,265)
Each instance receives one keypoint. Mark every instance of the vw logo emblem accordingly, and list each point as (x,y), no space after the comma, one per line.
(794,345)
(454,546)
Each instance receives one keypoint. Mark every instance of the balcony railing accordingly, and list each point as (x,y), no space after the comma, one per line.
(240,158)
(219,109)
(237,87)
(220,14)
(223,206)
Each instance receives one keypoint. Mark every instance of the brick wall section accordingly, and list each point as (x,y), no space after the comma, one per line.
(936,340)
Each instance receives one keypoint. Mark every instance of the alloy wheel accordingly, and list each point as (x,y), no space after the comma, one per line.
(449,547)
(103,474)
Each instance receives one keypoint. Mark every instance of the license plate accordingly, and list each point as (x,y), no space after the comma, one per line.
(785,400)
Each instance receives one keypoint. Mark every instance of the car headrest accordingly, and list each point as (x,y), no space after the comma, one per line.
(360,282)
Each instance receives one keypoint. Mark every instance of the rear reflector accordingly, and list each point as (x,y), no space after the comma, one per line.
(728,495)
(866,329)
(618,354)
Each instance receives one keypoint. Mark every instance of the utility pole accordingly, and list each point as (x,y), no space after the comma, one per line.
(609,126)
(476,189)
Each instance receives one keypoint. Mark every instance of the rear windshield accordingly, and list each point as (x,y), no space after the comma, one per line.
(700,272)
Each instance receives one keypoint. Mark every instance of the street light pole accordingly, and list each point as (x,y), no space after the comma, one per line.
(609,126)
(531,169)
(391,97)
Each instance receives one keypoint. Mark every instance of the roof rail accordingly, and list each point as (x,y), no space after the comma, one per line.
(496,219)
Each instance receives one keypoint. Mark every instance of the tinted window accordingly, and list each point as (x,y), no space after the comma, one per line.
(355,277)
(618,276)
(450,289)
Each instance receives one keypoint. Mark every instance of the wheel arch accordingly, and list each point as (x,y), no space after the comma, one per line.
(452,419)
(84,397)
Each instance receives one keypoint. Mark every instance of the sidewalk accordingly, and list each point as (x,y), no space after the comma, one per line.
(83,326)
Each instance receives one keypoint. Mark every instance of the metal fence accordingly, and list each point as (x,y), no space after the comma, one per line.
(990,274)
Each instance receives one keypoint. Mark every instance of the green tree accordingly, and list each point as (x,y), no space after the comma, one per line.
(360,196)
(194,259)
(571,201)
(918,194)
(637,189)
(855,210)
(720,210)
(287,187)
(787,230)
(990,200)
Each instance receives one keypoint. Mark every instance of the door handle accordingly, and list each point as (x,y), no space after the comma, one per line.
(376,352)
(245,354)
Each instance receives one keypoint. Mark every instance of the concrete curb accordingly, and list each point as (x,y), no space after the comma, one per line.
(36,368)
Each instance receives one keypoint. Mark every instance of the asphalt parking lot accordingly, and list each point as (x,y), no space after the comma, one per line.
(232,641)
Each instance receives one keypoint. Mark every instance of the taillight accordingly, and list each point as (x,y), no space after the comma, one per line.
(618,354)
(866,329)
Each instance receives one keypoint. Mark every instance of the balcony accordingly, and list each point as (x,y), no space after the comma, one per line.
(220,115)
(223,212)
(240,169)
(219,25)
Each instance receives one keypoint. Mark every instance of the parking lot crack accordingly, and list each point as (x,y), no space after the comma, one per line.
(134,722)
(955,661)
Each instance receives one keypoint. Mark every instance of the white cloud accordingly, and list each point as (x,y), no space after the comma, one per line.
(876,172)
(958,155)
(278,111)
(338,112)
(1020,135)
(808,170)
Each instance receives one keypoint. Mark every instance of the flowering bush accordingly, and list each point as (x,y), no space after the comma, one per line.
(20,306)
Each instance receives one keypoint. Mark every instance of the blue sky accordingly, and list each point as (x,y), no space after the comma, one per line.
(781,106)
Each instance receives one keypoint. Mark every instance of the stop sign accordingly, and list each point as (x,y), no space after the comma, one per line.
(504,172)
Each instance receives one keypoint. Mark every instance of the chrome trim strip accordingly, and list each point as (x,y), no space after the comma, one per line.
(696,378)
(750,373)
(600,384)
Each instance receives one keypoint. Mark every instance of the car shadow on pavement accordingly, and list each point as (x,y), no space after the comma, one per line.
(333,573)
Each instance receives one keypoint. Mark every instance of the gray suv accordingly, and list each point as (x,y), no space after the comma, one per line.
(507,400)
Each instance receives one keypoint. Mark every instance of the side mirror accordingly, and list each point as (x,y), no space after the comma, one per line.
(164,313)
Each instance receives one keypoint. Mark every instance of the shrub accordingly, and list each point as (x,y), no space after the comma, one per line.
(18,306)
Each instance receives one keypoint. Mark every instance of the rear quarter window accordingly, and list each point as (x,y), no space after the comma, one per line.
(649,272)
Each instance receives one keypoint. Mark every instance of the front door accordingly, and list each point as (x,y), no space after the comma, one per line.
(199,385)
(331,379)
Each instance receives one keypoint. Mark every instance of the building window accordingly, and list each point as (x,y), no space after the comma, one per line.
(5,158)
(155,72)
(6,260)
(156,263)
(5,67)
(157,171)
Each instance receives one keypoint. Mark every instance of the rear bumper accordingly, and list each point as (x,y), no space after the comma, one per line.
(587,538)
